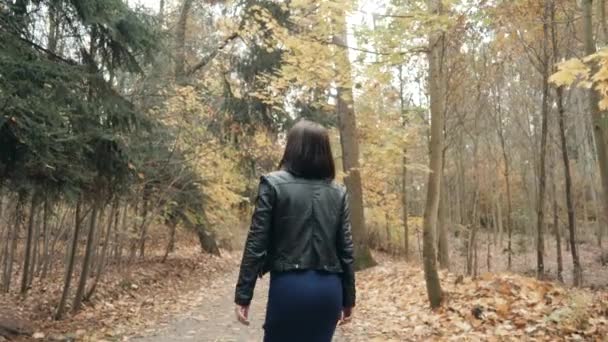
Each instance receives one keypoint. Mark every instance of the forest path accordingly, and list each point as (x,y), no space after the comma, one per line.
(214,320)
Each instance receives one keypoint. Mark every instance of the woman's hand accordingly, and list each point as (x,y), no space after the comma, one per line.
(347,315)
(242,314)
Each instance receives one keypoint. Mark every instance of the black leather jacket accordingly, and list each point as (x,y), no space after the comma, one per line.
(298,224)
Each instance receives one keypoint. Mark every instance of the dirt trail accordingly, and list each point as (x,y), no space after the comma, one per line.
(214,320)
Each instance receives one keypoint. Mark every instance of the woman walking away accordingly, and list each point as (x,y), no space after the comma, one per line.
(300,233)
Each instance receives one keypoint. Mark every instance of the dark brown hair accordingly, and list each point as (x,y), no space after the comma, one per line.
(308,152)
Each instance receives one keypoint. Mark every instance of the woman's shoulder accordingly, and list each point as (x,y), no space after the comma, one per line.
(279,176)
(283,177)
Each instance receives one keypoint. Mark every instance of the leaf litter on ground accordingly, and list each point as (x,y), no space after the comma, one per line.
(142,297)
(393,306)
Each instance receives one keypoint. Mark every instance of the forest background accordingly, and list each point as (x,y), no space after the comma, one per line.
(471,135)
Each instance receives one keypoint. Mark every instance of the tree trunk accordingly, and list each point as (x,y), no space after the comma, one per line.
(558,235)
(161,12)
(11,244)
(44,259)
(86,263)
(577,271)
(350,149)
(404,197)
(598,117)
(475,256)
(53,28)
(507,174)
(19,9)
(499,222)
(494,218)
(144,225)
(112,219)
(132,239)
(62,233)
(387,228)
(442,228)
(44,264)
(437,96)
(602,10)
(180,41)
(4,231)
(36,247)
(25,272)
(540,217)
(114,236)
(118,234)
(599,224)
(488,253)
(472,241)
(96,238)
(461,183)
(70,264)
(171,243)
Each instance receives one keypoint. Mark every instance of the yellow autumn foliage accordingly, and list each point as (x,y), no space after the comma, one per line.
(215,161)
(580,72)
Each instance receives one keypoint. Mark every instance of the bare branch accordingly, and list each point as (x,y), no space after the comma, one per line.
(207,59)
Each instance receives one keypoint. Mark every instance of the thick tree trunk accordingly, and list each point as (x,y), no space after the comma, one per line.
(598,117)
(180,41)
(207,240)
(437,96)
(86,263)
(350,149)
(70,264)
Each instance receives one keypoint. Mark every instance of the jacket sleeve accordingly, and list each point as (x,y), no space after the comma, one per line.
(346,254)
(257,243)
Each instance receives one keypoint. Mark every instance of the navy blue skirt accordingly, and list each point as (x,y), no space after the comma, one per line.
(303,306)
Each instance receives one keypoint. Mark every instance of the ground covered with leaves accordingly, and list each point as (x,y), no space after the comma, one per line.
(150,291)
(393,306)
(173,301)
